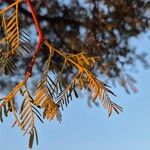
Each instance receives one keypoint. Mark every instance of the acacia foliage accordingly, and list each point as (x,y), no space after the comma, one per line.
(89,39)
(50,94)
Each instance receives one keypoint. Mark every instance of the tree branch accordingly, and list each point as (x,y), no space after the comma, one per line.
(40,38)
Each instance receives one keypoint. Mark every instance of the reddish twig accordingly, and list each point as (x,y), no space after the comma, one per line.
(40,37)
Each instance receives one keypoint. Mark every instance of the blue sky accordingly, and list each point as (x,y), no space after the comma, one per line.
(85,128)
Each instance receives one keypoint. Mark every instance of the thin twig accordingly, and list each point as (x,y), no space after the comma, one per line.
(40,38)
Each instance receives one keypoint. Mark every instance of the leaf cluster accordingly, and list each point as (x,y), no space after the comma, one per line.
(53,93)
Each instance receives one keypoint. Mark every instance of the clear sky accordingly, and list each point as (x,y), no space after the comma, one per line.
(85,128)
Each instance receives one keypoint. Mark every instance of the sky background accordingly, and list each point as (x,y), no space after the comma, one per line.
(85,128)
